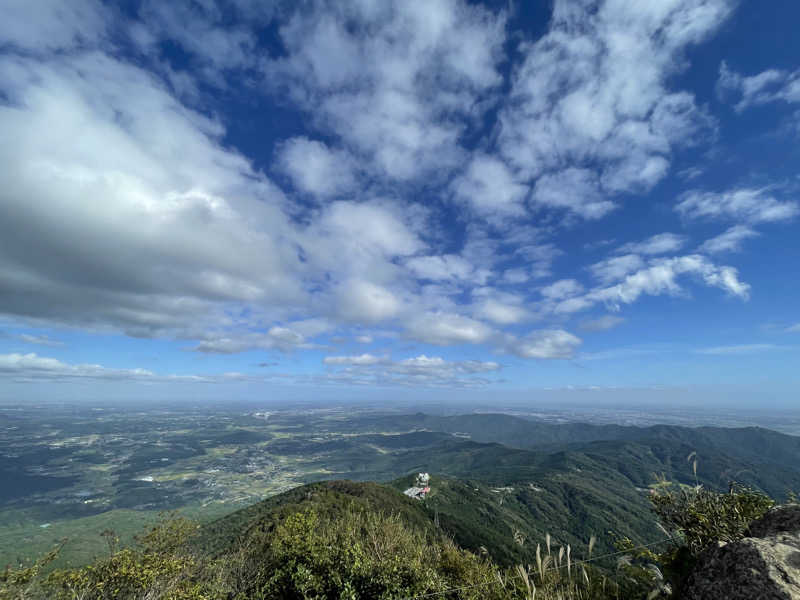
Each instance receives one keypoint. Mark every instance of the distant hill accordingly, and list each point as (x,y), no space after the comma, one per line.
(499,477)
(761,457)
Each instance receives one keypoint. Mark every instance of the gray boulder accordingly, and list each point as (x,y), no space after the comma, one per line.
(763,566)
(781,519)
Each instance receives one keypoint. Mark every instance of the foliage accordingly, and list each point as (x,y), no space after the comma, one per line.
(702,517)
(360,554)
(22,582)
(132,574)
(348,541)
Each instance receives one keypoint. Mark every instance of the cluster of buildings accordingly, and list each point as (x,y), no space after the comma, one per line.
(421,487)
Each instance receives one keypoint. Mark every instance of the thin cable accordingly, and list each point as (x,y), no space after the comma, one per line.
(553,568)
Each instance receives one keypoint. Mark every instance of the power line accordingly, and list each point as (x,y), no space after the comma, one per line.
(553,568)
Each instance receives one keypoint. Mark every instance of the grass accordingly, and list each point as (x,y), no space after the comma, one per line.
(22,539)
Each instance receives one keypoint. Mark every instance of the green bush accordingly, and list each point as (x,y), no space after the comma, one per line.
(703,517)
(359,554)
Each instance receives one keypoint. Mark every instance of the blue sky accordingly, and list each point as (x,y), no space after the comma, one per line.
(382,199)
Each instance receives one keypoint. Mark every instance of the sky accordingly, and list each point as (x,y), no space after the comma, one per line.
(386,200)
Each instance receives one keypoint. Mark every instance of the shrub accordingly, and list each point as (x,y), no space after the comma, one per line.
(703,517)
(360,554)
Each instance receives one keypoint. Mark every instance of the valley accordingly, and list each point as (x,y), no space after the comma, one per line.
(72,473)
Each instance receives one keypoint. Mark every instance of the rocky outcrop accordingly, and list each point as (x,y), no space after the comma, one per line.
(765,565)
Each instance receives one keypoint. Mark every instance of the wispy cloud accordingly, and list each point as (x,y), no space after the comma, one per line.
(739,349)
(603,323)
(772,85)
(748,205)
(40,340)
(421,370)
(729,241)
(32,367)
(661,243)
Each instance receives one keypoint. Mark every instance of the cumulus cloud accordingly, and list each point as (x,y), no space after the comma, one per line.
(489,187)
(445,329)
(316,169)
(546,344)
(593,90)
(576,190)
(436,199)
(163,213)
(500,312)
(364,302)
(402,94)
(749,205)
(729,241)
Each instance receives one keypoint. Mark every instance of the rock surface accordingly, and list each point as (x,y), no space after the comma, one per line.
(763,566)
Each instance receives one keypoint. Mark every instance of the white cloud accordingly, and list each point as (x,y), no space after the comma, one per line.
(661,243)
(52,25)
(163,212)
(603,323)
(750,205)
(445,329)
(546,344)
(32,367)
(445,267)
(593,90)
(738,349)
(489,187)
(515,276)
(278,338)
(772,85)
(635,278)
(793,328)
(366,228)
(183,237)
(40,340)
(217,37)
(364,302)
(576,190)
(402,94)
(501,313)
(728,241)
(561,289)
(661,278)
(420,370)
(360,360)
(316,169)
(615,268)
